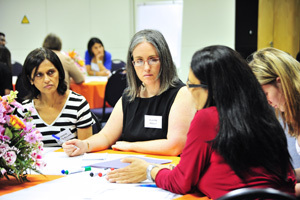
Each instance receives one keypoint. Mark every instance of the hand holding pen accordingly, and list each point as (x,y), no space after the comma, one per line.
(75,147)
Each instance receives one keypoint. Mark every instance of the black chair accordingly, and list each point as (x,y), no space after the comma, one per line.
(16,68)
(113,91)
(256,193)
(117,64)
(97,126)
(22,91)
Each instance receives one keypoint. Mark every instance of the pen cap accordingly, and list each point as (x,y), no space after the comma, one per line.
(87,168)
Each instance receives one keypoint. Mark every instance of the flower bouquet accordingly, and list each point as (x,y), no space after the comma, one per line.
(20,142)
(78,60)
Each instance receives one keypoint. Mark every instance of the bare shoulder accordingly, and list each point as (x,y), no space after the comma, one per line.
(183,94)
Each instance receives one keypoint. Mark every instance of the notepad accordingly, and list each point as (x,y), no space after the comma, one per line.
(116,163)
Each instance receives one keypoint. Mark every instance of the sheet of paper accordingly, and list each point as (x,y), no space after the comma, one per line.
(82,186)
(116,163)
(58,161)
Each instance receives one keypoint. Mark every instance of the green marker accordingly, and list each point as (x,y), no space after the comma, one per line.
(87,168)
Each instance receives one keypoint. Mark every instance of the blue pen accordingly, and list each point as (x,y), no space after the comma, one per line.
(147,185)
(58,138)
(62,141)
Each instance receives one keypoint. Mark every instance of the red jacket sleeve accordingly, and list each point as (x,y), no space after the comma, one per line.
(195,156)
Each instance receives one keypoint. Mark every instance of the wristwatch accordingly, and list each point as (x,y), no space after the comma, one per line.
(149,169)
(100,62)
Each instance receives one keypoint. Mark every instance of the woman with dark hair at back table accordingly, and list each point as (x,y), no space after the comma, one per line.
(155,111)
(97,59)
(234,141)
(5,71)
(56,108)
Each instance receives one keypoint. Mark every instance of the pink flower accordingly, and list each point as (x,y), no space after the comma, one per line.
(31,110)
(41,164)
(28,126)
(10,157)
(17,105)
(3,148)
(30,138)
(3,171)
(2,129)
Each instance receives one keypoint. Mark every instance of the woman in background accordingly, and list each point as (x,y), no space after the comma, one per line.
(97,60)
(234,141)
(279,75)
(53,42)
(5,71)
(56,107)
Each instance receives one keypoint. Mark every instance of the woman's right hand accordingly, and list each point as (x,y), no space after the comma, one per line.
(75,147)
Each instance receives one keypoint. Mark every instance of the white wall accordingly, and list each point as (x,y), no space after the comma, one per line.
(74,21)
(205,22)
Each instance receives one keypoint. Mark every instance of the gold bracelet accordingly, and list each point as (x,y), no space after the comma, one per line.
(88,145)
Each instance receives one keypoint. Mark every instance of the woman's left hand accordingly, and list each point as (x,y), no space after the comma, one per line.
(122,146)
(133,173)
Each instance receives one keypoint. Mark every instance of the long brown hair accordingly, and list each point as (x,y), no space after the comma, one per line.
(270,63)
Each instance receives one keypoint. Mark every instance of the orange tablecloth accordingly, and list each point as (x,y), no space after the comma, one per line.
(12,185)
(93,92)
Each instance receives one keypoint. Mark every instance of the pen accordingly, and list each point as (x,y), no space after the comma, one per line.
(147,185)
(101,173)
(62,141)
(88,168)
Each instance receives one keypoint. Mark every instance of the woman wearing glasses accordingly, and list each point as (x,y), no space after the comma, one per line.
(234,140)
(155,111)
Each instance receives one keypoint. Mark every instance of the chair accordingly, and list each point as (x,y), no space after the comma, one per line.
(117,64)
(256,193)
(16,68)
(22,91)
(113,91)
(97,126)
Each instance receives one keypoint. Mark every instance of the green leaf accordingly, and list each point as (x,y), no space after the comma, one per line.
(8,133)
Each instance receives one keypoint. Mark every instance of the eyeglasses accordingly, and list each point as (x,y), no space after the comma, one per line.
(190,85)
(150,61)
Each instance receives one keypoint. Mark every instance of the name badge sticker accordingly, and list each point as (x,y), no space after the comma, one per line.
(153,121)
(64,135)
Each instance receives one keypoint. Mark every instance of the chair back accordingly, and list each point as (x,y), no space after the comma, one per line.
(97,126)
(117,64)
(22,91)
(256,193)
(115,87)
(16,68)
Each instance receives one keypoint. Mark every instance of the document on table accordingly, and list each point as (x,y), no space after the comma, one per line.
(58,161)
(116,163)
(82,186)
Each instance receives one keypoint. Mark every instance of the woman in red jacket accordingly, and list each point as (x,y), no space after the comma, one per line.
(234,140)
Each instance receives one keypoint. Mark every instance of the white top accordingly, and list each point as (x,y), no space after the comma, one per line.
(95,67)
(75,114)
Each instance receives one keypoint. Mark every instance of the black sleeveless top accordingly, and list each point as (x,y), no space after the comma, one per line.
(134,115)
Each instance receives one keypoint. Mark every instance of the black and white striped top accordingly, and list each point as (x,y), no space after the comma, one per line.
(75,114)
